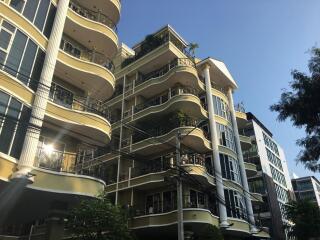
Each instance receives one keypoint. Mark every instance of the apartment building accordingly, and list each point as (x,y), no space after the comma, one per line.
(272,181)
(60,97)
(165,97)
(55,73)
(307,188)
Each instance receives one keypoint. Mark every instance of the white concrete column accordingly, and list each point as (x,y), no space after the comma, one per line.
(215,150)
(241,164)
(29,149)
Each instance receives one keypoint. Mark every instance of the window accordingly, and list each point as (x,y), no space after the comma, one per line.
(270,144)
(226,136)
(13,125)
(153,203)
(61,96)
(17,4)
(257,186)
(282,193)
(278,176)
(230,168)
(20,57)
(197,199)
(235,204)
(50,154)
(221,108)
(169,201)
(274,159)
(39,12)
(70,48)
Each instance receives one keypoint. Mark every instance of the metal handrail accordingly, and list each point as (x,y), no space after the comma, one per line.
(166,96)
(84,104)
(86,54)
(92,15)
(163,70)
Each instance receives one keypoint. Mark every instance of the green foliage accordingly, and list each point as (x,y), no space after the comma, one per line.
(98,219)
(306,218)
(302,106)
(179,119)
(210,233)
(192,48)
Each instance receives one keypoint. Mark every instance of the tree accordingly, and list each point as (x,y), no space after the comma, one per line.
(305,216)
(192,49)
(302,106)
(98,219)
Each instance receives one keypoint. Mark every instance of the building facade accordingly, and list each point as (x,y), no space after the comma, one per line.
(307,188)
(163,97)
(174,126)
(55,73)
(272,180)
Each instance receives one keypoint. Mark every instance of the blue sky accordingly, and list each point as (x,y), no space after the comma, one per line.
(260,41)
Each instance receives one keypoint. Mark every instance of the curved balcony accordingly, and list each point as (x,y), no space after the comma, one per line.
(109,8)
(86,126)
(241,116)
(168,216)
(174,99)
(153,173)
(162,138)
(245,142)
(256,197)
(85,69)
(7,167)
(92,29)
(251,169)
(180,71)
(50,185)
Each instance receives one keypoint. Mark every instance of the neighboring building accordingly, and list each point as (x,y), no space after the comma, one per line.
(58,92)
(307,188)
(54,74)
(272,181)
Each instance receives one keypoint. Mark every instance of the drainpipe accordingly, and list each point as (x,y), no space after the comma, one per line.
(27,158)
(244,179)
(215,150)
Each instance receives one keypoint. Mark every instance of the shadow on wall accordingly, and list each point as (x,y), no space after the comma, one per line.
(9,196)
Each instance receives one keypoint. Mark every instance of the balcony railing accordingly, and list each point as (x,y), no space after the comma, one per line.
(152,42)
(70,47)
(166,96)
(92,15)
(158,207)
(65,98)
(163,70)
(58,161)
(239,108)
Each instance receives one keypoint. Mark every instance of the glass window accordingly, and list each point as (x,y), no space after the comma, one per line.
(18,4)
(4,99)
(8,128)
(27,62)
(12,128)
(21,132)
(2,58)
(50,20)
(41,14)
(235,204)
(5,37)
(16,52)
(30,9)
(36,72)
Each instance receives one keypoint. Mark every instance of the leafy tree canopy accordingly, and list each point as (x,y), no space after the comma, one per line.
(306,218)
(99,219)
(301,105)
